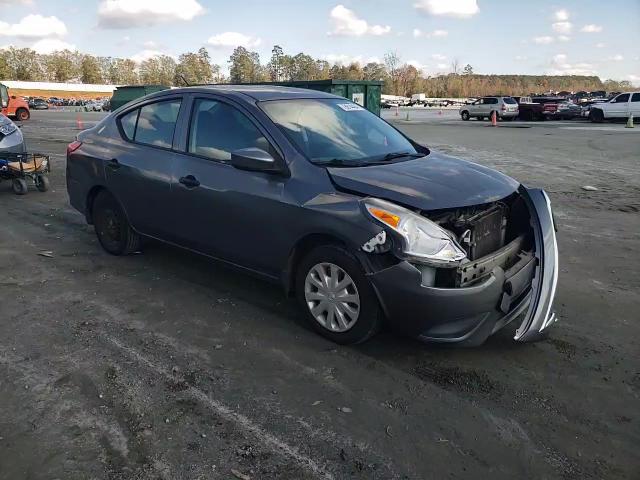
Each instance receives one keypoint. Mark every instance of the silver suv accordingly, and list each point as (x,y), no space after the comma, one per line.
(505,108)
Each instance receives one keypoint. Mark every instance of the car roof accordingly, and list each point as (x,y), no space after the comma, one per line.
(255,92)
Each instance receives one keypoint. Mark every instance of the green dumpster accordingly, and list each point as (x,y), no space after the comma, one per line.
(363,92)
(128,93)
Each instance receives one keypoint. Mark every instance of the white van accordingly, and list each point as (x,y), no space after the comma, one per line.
(621,106)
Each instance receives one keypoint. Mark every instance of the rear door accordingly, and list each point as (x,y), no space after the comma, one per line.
(138,169)
(216,208)
(488,104)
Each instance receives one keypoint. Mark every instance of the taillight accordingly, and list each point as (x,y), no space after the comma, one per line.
(72,147)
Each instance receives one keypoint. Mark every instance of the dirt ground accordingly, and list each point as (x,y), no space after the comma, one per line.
(165,365)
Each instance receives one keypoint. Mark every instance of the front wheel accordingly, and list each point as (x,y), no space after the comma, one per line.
(338,300)
(23,114)
(112,227)
(465,115)
(596,115)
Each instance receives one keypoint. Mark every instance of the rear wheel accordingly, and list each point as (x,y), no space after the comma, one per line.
(22,114)
(465,115)
(337,298)
(42,183)
(19,186)
(112,227)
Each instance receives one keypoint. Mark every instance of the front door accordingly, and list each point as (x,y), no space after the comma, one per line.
(634,105)
(619,106)
(218,209)
(138,170)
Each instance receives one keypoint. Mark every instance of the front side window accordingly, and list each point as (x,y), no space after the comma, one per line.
(217,129)
(336,130)
(624,98)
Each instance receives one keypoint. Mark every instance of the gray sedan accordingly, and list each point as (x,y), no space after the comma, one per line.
(11,139)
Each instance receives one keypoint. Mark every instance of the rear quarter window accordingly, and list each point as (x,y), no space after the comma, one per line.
(128,124)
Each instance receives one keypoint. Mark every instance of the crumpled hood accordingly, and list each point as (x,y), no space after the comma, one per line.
(433,182)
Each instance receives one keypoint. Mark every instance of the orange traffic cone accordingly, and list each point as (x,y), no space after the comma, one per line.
(494,120)
(79,123)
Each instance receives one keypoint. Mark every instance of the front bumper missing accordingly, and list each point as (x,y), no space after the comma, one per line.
(471,313)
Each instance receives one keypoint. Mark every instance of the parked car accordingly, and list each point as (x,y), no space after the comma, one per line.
(619,107)
(38,104)
(506,108)
(529,110)
(11,139)
(312,191)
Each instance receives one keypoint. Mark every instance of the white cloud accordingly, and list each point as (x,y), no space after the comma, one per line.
(145,55)
(417,33)
(563,38)
(34,26)
(233,39)
(448,8)
(591,28)
(438,56)
(49,45)
(345,60)
(137,13)
(600,45)
(616,58)
(561,15)
(562,27)
(150,44)
(442,66)
(345,22)
(560,66)
(520,58)
(543,40)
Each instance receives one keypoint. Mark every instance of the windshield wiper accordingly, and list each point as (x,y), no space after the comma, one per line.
(394,155)
(338,162)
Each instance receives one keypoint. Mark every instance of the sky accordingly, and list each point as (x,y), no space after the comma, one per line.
(584,37)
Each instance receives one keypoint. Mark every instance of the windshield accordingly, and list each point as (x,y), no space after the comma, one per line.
(326,130)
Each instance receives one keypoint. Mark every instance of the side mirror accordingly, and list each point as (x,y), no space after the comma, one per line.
(254,160)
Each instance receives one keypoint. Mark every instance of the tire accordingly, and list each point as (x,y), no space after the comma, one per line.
(349,329)
(19,186)
(42,183)
(22,114)
(596,115)
(465,116)
(112,226)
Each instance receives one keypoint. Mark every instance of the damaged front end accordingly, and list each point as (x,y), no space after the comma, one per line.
(509,271)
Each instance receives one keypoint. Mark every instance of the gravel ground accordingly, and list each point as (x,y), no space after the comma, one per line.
(167,365)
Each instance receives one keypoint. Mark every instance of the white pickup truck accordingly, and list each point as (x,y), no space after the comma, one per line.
(620,106)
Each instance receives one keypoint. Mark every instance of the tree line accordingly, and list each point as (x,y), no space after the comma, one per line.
(399,77)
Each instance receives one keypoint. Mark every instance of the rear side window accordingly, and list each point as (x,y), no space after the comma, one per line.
(510,101)
(622,98)
(635,97)
(128,123)
(153,124)
(217,129)
(490,101)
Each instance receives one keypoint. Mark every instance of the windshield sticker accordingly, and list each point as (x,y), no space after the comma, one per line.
(350,107)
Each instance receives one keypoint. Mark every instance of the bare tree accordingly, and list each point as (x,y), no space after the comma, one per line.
(455,66)
(393,62)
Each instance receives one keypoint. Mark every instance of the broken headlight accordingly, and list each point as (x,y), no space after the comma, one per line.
(7,128)
(423,240)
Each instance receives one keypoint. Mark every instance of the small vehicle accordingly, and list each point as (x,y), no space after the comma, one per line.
(38,104)
(619,107)
(505,108)
(20,167)
(13,106)
(529,110)
(315,193)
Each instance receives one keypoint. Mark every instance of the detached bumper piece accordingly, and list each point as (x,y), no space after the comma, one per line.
(488,297)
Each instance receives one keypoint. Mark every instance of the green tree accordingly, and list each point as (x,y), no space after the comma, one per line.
(160,70)
(61,66)
(23,64)
(275,65)
(90,71)
(245,66)
(374,71)
(123,71)
(468,70)
(194,68)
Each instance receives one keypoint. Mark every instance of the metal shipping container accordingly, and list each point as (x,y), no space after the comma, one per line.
(128,93)
(363,92)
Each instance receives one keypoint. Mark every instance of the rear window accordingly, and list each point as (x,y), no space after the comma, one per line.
(153,124)
(510,101)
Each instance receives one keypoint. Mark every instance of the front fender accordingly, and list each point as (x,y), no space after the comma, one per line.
(540,313)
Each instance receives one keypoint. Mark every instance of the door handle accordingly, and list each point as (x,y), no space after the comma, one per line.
(113,164)
(189,181)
